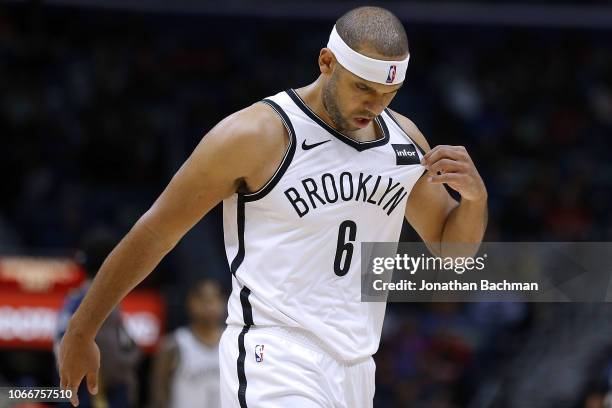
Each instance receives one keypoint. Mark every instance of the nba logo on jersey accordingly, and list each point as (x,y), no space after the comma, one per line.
(259,350)
(391,75)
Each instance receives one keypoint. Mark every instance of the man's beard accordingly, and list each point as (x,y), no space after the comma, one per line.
(331,107)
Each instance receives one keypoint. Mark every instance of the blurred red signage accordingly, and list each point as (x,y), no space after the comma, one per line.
(33,289)
(29,320)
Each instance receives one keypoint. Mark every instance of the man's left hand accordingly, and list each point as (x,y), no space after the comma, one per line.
(454,166)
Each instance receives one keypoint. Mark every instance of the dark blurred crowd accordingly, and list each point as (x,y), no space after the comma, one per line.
(99,108)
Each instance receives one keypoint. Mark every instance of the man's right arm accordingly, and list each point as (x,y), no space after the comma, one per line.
(236,153)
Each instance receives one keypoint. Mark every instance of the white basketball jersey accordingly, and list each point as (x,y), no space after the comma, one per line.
(294,246)
(196,379)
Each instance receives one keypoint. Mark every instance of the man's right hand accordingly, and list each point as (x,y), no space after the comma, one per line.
(78,357)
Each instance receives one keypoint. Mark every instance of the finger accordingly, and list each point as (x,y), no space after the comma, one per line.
(74,397)
(446,152)
(435,149)
(73,386)
(64,381)
(441,146)
(446,166)
(92,382)
(446,178)
(65,385)
(452,147)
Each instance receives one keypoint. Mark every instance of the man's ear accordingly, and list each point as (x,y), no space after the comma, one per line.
(326,61)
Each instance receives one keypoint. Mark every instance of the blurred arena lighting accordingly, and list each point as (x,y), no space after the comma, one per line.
(31,274)
(579,15)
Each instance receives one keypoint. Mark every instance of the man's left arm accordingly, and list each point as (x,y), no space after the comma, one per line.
(432,212)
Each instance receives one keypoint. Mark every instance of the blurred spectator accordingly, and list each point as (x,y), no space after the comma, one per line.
(594,399)
(118,381)
(186,367)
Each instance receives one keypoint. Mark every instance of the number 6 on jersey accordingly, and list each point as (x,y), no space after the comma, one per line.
(346,236)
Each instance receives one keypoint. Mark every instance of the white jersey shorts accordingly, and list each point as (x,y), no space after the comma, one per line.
(275,367)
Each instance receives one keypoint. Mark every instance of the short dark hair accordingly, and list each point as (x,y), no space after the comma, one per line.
(375,27)
(195,288)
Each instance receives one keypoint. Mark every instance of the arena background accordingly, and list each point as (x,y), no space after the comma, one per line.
(101,101)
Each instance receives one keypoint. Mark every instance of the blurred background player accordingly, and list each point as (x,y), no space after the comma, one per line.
(118,386)
(186,366)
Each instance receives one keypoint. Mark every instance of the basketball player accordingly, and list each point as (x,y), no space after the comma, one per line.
(305,176)
(186,367)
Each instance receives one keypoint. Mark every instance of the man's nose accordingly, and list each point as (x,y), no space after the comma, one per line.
(375,105)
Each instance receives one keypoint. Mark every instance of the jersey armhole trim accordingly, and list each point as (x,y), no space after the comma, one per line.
(287,158)
(388,111)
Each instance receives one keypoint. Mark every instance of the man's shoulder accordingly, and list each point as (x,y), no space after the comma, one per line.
(257,124)
(249,138)
(411,129)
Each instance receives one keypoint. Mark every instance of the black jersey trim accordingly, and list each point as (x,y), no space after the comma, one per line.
(393,118)
(247,311)
(240,224)
(360,146)
(247,314)
(287,158)
(242,381)
(403,131)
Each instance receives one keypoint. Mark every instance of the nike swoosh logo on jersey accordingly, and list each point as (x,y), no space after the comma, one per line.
(308,147)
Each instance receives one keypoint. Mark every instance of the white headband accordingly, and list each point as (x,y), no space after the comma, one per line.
(370,69)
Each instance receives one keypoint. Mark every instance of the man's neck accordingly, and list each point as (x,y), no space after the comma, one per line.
(207,334)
